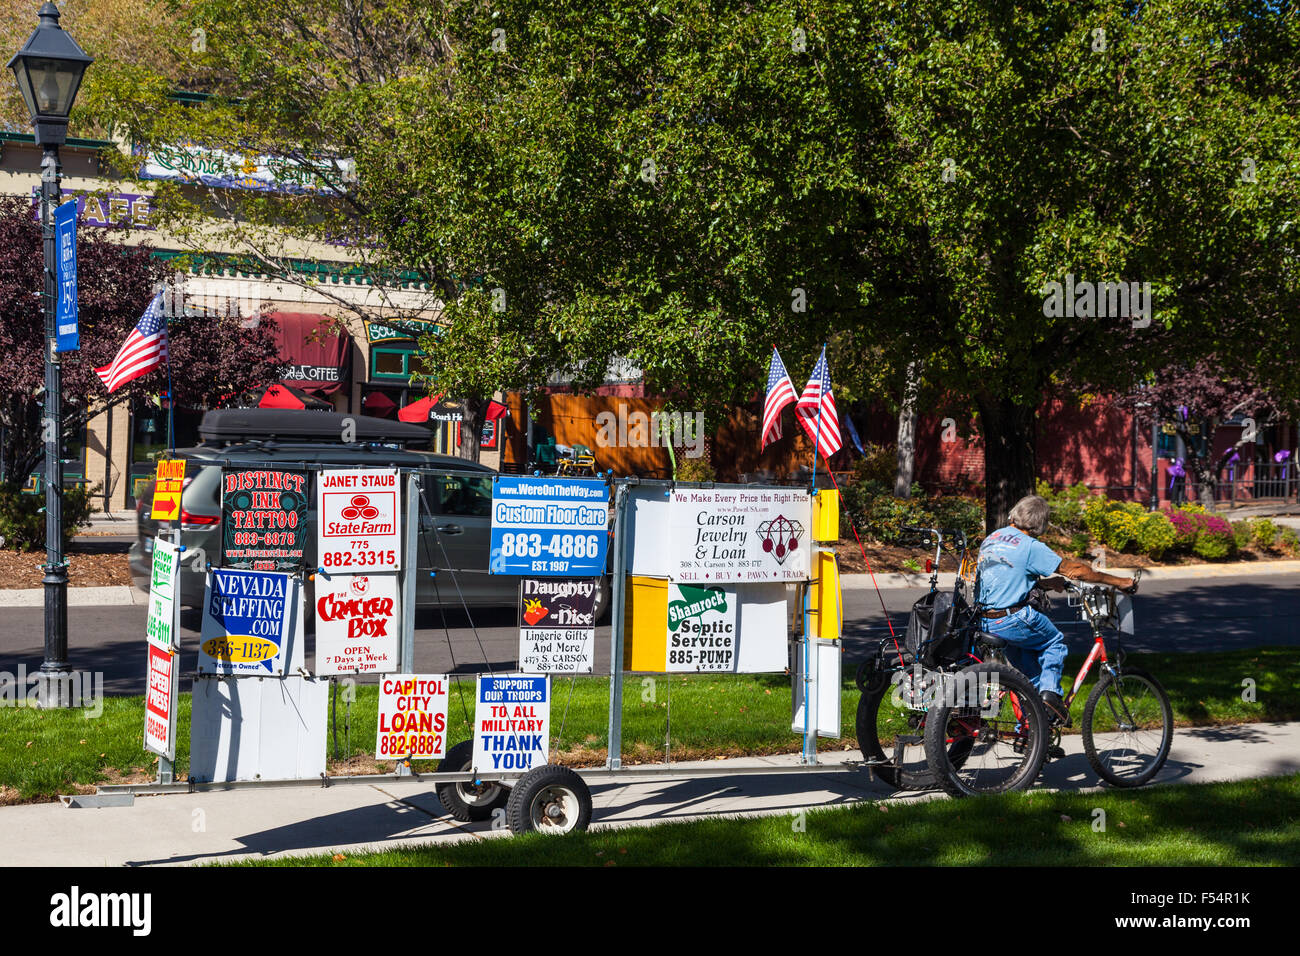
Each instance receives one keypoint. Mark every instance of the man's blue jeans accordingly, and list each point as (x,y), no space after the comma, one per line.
(1034,646)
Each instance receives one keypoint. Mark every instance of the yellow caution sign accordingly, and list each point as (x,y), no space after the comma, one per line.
(168,482)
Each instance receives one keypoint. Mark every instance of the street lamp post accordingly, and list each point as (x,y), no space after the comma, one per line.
(49,68)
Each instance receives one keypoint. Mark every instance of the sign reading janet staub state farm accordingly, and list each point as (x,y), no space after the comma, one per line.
(701,628)
(557,625)
(724,535)
(164,580)
(356,623)
(160,703)
(549,526)
(512,717)
(412,717)
(263,519)
(246,622)
(359,521)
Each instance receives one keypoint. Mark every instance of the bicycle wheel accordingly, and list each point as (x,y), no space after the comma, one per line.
(994,712)
(1128,727)
(892,739)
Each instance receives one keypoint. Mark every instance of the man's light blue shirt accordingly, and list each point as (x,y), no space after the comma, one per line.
(1009,562)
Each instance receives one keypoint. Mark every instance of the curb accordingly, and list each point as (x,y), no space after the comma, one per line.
(895,579)
(114,596)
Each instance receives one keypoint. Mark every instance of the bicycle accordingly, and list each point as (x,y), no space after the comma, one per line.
(941,733)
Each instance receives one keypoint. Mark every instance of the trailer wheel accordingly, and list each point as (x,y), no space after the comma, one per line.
(549,799)
(465,801)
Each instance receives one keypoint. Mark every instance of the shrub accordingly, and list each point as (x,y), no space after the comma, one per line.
(1066,506)
(1079,544)
(1114,523)
(1265,533)
(1289,540)
(1214,540)
(880,463)
(878,514)
(1185,527)
(1155,534)
(1242,533)
(695,469)
(22,518)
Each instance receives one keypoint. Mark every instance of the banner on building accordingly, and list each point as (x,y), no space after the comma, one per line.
(512,717)
(556,527)
(412,717)
(356,623)
(557,625)
(248,619)
(263,519)
(720,536)
(360,520)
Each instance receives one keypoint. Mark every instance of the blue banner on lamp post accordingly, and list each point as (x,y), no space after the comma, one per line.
(65,279)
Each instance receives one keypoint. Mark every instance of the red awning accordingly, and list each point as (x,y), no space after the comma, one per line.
(496,410)
(286,396)
(418,411)
(319,356)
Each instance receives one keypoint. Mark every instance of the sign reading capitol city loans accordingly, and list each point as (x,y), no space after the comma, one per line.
(718,536)
(557,625)
(263,519)
(164,580)
(512,718)
(412,717)
(556,527)
(246,621)
(356,623)
(701,628)
(359,520)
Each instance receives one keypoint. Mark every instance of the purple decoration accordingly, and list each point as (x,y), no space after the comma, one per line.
(1176,471)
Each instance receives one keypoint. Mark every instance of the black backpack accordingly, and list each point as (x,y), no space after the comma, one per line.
(935,629)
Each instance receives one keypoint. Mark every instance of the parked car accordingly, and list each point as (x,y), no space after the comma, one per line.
(455,519)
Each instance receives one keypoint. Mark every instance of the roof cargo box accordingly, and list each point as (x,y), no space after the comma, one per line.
(296,425)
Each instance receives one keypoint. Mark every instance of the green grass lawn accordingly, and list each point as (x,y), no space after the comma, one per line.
(42,752)
(1244,823)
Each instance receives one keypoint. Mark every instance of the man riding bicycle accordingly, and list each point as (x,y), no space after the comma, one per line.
(1011,560)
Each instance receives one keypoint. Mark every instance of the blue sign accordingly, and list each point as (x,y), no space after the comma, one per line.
(549,527)
(247,619)
(65,277)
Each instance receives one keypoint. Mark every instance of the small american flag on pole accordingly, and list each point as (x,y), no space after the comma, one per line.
(780,393)
(816,411)
(144,350)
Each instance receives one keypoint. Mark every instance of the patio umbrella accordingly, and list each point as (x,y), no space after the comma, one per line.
(280,395)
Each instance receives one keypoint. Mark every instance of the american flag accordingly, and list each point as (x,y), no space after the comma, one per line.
(144,350)
(780,393)
(817,397)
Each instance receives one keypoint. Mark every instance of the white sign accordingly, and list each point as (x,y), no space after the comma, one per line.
(249,620)
(360,521)
(412,717)
(512,718)
(160,702)
(718,536)
(164,580)
(557,625)
(702,633)
(356,624)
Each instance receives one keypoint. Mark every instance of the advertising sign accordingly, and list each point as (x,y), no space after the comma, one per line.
(247,617)
(356,623)
(65,267)
(164,580)
(412,717)
(168,482)
(557,625)
(718,536)
(701,628)
(360,520)
(557,527)
(160,703)
(263,519)
(512,718)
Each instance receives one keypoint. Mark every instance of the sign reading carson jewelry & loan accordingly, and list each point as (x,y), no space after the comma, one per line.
(725,535)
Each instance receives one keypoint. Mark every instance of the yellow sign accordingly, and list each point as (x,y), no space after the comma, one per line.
(168,482)
(241,649)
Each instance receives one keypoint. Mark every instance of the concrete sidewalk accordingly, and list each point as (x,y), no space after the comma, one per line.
(179,829)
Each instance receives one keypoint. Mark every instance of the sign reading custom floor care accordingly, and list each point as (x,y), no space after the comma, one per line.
(356,623)
(701,628)
(160,702)
(412,717)
(557,625)
(164,581)
(246,622)
(719,535)
(512,719)
(549,526)
(264,519)
(359,520)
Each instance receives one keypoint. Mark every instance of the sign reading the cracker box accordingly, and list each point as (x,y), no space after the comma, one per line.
(719,536)
(557,625)
(356,623)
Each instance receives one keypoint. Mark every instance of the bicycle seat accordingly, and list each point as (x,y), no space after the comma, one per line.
(991,640)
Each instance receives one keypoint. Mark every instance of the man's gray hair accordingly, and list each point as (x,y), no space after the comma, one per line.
(1030,514)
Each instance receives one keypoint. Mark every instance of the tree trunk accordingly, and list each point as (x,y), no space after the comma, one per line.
(907,433)
(1010,465)
(472,427)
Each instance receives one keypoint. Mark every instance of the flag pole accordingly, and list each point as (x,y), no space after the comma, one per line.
(817,442)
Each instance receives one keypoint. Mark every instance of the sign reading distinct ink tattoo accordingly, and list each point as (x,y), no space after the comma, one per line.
(264,519)
(557,625)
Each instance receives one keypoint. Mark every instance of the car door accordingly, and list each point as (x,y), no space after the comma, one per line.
(456,531)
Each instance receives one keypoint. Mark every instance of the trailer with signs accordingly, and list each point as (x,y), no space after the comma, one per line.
(706,578)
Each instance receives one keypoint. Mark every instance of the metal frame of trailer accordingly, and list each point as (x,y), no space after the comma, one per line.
(117,794)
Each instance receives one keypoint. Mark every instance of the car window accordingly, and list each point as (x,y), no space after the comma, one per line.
(460,494)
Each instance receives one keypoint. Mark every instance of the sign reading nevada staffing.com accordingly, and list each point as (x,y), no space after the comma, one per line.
(263,519)
(246,620)
(726,535)
(556,527)
(359,520)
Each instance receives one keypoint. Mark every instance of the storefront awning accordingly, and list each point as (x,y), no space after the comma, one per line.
(318,355)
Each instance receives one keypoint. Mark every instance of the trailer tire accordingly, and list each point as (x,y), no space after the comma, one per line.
(549,799)
(464,801)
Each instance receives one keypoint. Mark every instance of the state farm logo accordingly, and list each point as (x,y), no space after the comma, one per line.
(360,516)
(360,507)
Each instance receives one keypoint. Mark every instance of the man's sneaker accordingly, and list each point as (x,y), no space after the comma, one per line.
(1056,709)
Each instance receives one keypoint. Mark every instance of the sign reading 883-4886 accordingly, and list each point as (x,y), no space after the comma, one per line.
(549,526)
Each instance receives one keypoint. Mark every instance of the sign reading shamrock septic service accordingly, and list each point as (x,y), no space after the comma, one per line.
(263,519)
(246,622)
(701,628)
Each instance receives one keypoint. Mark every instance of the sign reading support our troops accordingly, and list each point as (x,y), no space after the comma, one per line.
(512,718)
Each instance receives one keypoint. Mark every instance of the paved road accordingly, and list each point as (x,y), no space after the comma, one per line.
(1219,613)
